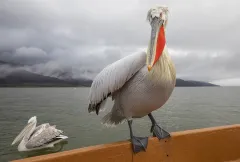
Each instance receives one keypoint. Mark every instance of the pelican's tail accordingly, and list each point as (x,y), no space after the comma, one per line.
(114,117)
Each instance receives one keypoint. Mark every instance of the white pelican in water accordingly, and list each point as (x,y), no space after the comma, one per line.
(36,138)
(139,83)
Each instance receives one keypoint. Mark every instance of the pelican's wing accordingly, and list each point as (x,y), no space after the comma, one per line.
(39,129)
(42,135)
(113,77)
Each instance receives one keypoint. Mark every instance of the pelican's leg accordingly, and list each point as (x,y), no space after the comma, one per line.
(138,143)
(157,130)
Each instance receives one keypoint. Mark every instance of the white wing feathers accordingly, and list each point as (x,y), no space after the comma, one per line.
(43,134)
(115,75)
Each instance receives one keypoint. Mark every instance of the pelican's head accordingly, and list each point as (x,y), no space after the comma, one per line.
(157,17)
(32,119)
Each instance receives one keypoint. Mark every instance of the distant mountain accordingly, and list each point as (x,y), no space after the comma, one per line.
(191,83)
(2,62)
(10,63)
(25,78)
(22,78)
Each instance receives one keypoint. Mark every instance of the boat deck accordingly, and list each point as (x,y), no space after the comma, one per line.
(216,144)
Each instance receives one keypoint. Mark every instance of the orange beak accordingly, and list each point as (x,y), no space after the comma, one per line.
(160,44)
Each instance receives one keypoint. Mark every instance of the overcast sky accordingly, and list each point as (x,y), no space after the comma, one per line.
(83,36)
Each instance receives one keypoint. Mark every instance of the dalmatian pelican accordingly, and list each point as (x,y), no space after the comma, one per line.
(138,83)
(34,138)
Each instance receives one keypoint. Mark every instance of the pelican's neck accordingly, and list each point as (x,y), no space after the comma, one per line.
(164,68)
(26,137)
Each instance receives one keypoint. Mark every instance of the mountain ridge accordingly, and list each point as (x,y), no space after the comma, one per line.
(23,78)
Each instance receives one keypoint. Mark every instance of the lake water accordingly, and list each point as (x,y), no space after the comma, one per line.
(188,108)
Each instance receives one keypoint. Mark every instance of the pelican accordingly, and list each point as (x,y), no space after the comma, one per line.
(138,83)
(35,138)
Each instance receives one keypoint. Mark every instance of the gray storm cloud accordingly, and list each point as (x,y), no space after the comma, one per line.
(78,38)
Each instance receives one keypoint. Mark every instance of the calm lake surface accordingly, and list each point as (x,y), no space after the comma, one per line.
(188,108)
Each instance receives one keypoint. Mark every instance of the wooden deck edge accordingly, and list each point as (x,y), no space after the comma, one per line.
(123,148)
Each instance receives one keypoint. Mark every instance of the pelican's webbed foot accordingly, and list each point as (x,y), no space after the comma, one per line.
(138,143)
(158,132)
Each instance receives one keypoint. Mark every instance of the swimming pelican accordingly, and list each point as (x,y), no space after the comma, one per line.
(36,138)
(138,83)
